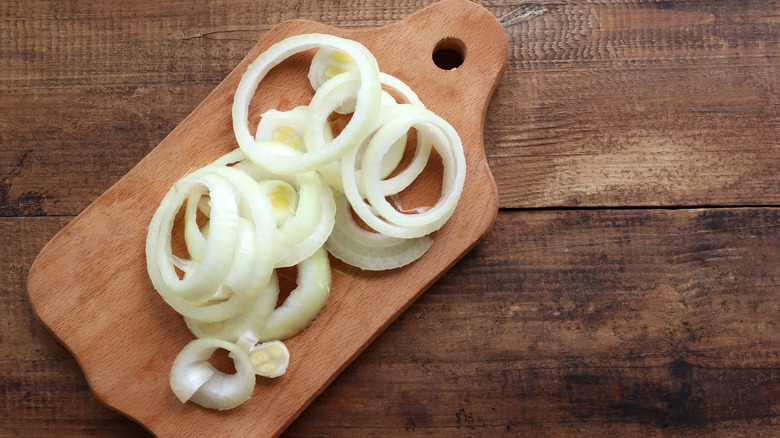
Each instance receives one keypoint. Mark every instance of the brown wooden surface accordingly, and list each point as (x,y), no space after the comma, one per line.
(564,321)
(92,276)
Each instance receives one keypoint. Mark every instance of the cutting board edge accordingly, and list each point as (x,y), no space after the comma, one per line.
(485,223)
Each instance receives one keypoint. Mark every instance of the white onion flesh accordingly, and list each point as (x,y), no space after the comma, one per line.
(308,227)
(269,359)
(304,302)
(344,86)
(259,252)
(194,378)
(367,250)
(396,224)
(366,110)
(254,316)
(269,204)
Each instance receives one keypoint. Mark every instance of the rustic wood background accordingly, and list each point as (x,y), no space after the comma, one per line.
(630,285)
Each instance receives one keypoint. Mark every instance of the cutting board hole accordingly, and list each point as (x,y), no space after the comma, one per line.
(449,53)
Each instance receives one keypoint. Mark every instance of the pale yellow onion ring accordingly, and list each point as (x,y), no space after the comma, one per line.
(193,378)
(445,140)
(255,314)
(367,250)
(202,282)
(340,88)
(308,228)
(268,324)
(365,112)
(264,253)
(304,302)
(453,159)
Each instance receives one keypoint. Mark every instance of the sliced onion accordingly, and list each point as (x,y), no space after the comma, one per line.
(366,110)
(287,127)
(247,322)
(269,359)
(203,280)
(344,86)
(269,204)
(283,198)
(328,63)
(260,257)
(367,250)
(304,302)
(194,378)
(317,236)
(309,226)
(397,224)
(449,148)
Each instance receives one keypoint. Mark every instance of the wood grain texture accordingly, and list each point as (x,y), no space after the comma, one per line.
(604,103)
(649,322)
(110,291)
(43,391)
(619,103)
(627,103)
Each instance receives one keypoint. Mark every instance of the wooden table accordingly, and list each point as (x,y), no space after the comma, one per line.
(631,284)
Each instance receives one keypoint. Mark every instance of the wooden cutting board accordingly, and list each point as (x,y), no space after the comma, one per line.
(90,287)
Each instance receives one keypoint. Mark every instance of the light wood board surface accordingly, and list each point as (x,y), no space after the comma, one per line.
(91,278)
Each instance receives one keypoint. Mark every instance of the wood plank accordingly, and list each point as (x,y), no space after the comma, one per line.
(90,88)
(665,320)
(105,243)
(42,389)
(622,103)
(649,322)
(640,103)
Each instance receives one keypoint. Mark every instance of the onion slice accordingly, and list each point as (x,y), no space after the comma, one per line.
(269,359)
(393,222)
(367,250)
(366,109)
(304,302)
(254,315)
(194,378)
(259,255)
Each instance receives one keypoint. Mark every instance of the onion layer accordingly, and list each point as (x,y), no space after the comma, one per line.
(194,378)
(366,109)
(269,204)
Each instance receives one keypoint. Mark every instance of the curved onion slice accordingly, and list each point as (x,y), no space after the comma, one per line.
(346,85)
(317,236)
(304,302)
(309,226)
(194,378)
(254,315)
(449,147)
(395,223)
(366,110)
(370,251)
(194,236)
(204,278)
(262,321)
(269,359)
(226,185)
